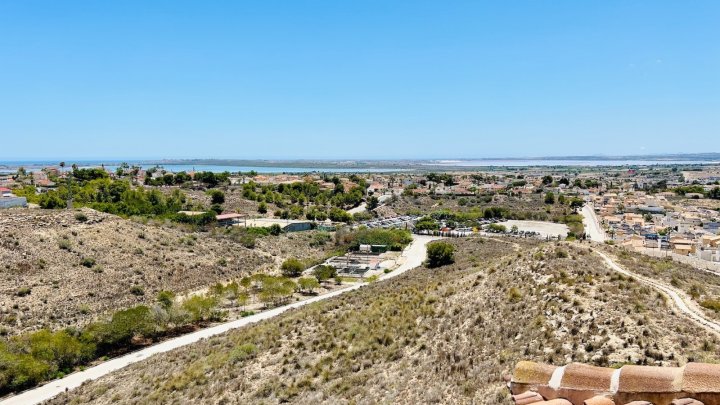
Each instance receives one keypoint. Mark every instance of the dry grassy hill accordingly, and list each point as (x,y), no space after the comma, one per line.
(63,268)
(430,336)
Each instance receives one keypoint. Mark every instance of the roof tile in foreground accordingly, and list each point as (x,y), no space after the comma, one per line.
(580,384)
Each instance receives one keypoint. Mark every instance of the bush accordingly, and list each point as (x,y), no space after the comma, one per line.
(275,229)
(81,217)
(497,228)
(137,290)
(88,262)
(166,299)
(323,272)
(292,268)
(514,295)
(201,308)
(23,291)
(64,244)
(216,196)
(123,326)
(711,304)
(308,284)
(440,254)
(427,224)
(30,359)
(243,352)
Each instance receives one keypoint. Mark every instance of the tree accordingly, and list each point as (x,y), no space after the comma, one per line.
(308,284)
(216,196)
(339,215)
(426,224)
(323,272)
(243,298)
(292,268)
(547,180)
(576,203)
(201,308)
(276,289)
(440,254)
(372,203)
(714,193)
(550,198)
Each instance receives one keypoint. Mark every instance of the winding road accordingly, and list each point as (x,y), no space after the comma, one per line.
(414,255)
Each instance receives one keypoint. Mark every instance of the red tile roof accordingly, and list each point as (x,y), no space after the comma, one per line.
(580,384)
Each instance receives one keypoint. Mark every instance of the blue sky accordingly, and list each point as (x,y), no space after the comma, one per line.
(357,79)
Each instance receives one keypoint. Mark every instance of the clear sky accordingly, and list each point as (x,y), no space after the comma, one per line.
(357,79)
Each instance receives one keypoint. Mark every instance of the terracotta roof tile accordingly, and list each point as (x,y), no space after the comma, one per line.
(650,379)
(599,400)
(583,377)
(529,372)
(527,397)
(701,377)
(686,401)
(579,384)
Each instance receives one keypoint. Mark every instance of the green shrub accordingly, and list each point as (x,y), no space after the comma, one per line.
(201,308)
(292,268)
(711,304)
(440,254)
(497,228)
(243,352)
(308,284)
(323,272)
(514,295)
(137,290)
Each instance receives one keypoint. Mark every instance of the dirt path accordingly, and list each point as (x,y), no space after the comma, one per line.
(680,299)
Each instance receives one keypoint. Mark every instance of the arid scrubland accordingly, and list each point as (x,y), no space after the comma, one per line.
(65,268)
(443,335)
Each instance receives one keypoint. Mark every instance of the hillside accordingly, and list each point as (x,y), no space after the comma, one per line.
(64,268)
(430,336)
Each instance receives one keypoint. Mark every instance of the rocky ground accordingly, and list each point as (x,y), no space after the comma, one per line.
(441,335)
(65,268)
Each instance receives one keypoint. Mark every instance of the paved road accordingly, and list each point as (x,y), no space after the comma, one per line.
(360,208)
(592,227)
(363,206)
(680,300)
(414,256)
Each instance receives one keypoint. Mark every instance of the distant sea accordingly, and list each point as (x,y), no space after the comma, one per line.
(561,162)
(31,166)
(408,166)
